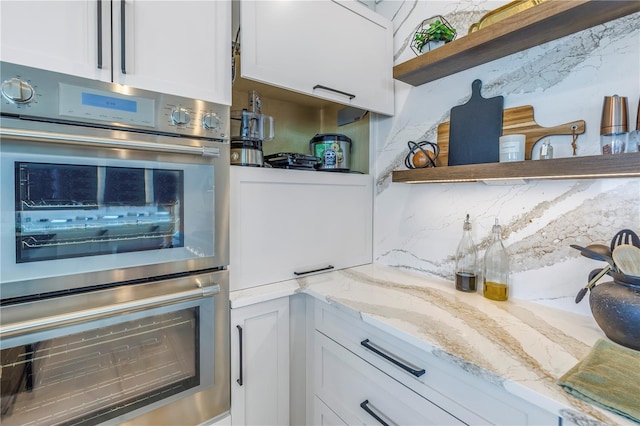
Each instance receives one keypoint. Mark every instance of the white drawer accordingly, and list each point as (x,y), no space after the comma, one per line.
(323,415)
(361,394)
(469,398)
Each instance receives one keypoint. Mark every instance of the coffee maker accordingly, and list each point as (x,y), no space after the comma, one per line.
(248,132)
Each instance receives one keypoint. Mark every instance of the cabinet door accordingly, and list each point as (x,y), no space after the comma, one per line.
(285,223)
(71,37)
(260,363)
(177,47)
(300,45)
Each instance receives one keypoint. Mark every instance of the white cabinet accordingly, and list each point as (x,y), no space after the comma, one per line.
(436,383)
(177,47)
(323,415)
(336,50)
(260,363)
(182,48)
(285,223)
(361,394)
(70,37)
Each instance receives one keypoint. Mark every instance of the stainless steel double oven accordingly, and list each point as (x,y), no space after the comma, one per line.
(113,253)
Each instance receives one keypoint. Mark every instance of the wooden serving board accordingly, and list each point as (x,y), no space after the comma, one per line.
(517,120)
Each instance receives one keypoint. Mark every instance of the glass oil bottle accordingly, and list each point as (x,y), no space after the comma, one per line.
(496,268)
(466,260)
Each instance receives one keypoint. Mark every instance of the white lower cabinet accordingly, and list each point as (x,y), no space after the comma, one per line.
(288,223)
(354,361)
(260,363)
(359,393)
(323,415)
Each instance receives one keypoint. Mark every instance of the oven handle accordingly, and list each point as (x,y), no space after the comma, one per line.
(41,324)
(41,136)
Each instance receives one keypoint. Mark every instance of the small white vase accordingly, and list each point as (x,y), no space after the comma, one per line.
(429,46)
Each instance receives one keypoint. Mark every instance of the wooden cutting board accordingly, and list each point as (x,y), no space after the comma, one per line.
(475,128)
(515,120)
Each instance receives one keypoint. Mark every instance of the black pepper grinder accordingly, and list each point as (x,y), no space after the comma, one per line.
(466,260)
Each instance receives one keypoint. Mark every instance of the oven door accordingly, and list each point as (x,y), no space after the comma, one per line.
(86,206)
(154,353)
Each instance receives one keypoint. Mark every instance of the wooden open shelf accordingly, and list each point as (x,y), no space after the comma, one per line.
(589,167)
(547,21)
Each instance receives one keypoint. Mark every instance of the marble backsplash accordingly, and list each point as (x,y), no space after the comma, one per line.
(418,226)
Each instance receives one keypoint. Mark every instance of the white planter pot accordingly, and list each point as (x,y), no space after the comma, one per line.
(429,46)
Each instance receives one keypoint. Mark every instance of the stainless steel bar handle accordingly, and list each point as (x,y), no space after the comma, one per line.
(319,86)
(99,17)
(85,315)
(123,43)
(41,136)
(365,406)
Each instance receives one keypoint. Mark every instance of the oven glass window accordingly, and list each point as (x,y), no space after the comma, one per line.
(69,210)
(96,375)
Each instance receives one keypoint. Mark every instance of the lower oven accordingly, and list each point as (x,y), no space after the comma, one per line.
(146,354)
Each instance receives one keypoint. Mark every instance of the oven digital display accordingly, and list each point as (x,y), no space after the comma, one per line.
(110,102)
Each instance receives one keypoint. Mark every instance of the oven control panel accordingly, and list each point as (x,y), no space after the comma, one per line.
(54,96)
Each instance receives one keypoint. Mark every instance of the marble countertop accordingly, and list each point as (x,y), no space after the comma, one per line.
(522,346)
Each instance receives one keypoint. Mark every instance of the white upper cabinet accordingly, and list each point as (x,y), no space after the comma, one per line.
(336,50)
(177,47)
(70,37)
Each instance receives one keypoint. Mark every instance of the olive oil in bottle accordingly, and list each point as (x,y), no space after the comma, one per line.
(466,260)
(496,268)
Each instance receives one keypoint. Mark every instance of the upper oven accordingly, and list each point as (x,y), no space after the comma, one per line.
(104,183)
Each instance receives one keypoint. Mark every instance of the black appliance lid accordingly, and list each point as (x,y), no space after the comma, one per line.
(330,137)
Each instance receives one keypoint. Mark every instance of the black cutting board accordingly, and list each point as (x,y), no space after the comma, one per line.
(476,128)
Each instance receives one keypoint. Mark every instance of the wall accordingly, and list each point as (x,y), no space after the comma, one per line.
(418,227)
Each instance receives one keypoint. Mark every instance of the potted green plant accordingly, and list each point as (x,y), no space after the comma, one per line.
(432,33)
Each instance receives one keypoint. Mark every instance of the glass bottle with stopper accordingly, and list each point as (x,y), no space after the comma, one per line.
(466,260)
(496,268)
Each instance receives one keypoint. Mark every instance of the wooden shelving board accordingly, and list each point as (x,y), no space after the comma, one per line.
(542,23)
(588,167)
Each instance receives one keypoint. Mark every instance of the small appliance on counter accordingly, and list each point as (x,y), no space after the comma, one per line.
(290,160)
(248,132)
(334,151)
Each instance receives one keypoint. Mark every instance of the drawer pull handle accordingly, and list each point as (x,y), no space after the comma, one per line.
(405,367)
(365,406)
(240,353)
(319,86)
(326,268)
